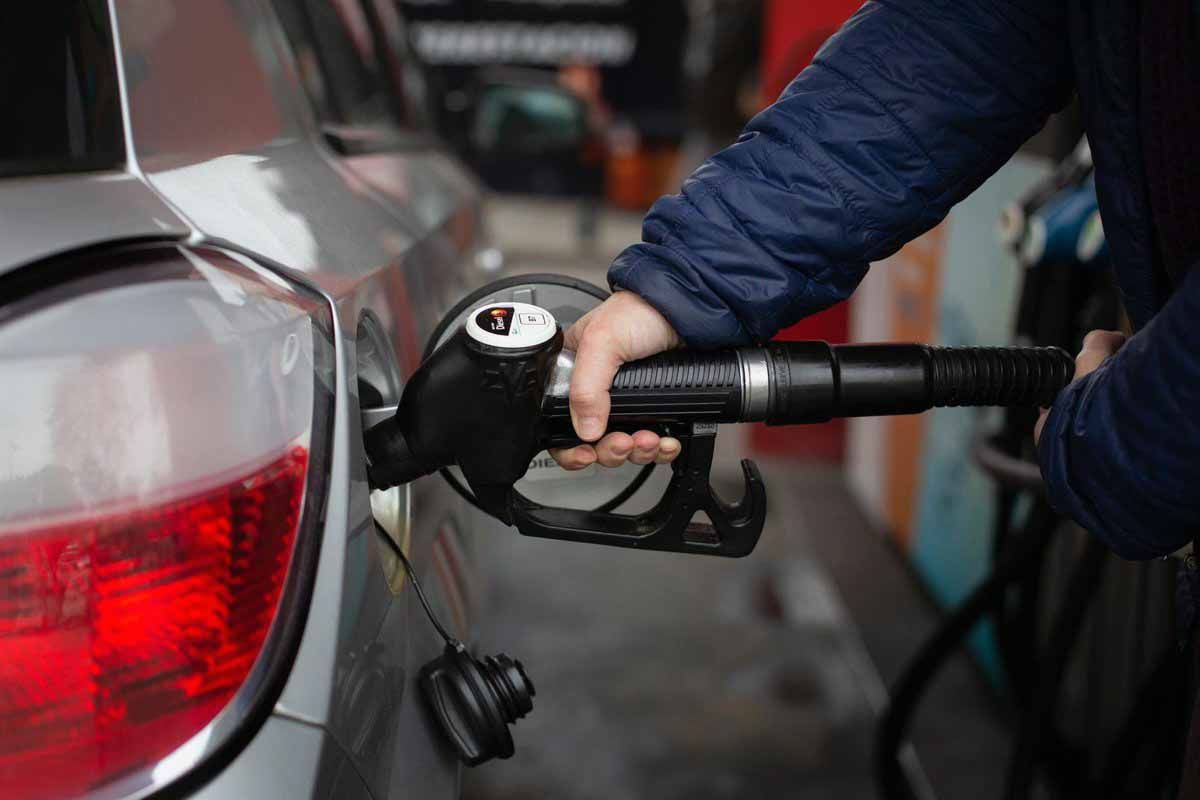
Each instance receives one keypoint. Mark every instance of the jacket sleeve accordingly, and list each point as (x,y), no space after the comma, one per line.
(903,113)
(1120,451)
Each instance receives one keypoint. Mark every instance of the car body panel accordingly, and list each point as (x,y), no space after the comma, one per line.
(235,158)
(47,215)
(288,759)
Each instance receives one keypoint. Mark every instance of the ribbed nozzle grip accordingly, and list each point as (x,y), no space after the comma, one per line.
(680,386)
(680,369)
(998,376)
(683,385)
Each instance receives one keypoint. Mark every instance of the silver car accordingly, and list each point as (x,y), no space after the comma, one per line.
(225,235)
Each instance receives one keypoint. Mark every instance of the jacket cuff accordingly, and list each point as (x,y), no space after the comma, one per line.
(700,319)
(1065,443)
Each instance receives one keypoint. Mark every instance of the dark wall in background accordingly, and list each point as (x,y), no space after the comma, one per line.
(637,45)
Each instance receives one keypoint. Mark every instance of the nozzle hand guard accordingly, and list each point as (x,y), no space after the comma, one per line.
(734,528)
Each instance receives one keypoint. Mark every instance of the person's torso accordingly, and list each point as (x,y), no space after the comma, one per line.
(1136,70)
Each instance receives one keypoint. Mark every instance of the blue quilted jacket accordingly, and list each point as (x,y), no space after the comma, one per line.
(903,113)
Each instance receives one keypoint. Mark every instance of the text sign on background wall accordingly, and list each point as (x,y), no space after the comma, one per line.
(637,44)
(530,32)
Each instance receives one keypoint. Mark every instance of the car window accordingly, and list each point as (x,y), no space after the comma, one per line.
(187,104)
(58,79)
(340,52)
(409,74)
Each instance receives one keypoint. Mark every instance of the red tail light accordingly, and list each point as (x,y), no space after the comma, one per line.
(121,635)
(163,449)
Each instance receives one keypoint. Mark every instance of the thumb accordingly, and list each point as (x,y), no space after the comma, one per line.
(1043,413)
(575,332)
(596,362)
(1097,346)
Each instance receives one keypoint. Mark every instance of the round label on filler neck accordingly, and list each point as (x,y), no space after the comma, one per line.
(513,326)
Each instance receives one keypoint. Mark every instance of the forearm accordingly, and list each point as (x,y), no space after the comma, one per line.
(902,114)
(1120,450)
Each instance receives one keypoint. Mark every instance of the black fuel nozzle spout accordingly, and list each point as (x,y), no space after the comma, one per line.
(390,461)
(475,403)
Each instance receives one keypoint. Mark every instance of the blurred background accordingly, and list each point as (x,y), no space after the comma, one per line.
(811,668)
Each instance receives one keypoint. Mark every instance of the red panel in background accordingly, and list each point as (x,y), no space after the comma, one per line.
(793,32)
(827,441)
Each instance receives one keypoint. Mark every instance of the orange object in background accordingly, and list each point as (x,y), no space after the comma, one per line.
(792,34)
(626,180)
(826,442)
(636,176)
(915,275)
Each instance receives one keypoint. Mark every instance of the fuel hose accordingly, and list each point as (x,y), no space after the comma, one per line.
(788,383)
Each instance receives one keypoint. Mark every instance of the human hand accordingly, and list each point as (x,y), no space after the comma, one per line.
(622,328)
(1097,347)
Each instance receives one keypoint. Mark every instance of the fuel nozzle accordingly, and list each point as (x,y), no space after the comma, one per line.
(496,393)
(390,461)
